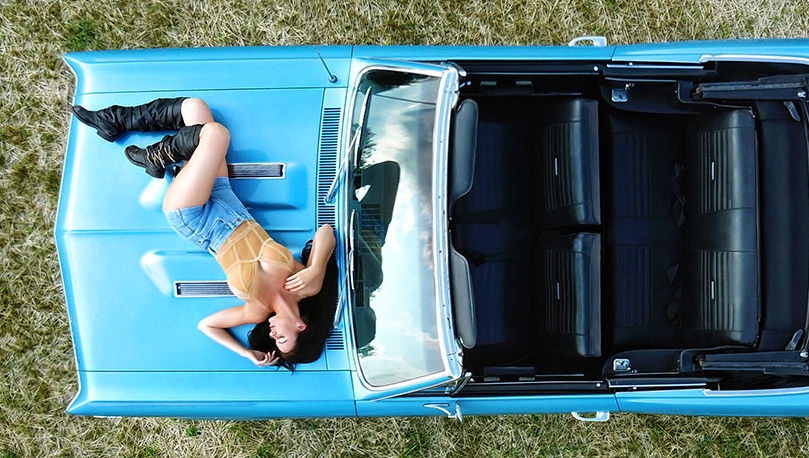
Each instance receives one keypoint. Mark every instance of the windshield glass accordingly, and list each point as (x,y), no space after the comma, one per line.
(392,206)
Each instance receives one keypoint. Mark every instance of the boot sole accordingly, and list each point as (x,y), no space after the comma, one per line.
(86,121)
(151,172)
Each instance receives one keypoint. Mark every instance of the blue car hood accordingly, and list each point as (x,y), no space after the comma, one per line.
(120,259)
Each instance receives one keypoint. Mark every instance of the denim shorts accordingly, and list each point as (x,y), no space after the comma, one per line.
(210,224)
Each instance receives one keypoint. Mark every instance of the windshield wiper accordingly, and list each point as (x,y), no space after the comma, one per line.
(351,155)
(355,142)
(332,192)
(352,250)
(351,267)
(356,280)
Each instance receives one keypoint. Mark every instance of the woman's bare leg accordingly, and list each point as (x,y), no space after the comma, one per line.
(196,111)
(192,186)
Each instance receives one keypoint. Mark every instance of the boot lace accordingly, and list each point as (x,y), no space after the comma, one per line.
(160,154)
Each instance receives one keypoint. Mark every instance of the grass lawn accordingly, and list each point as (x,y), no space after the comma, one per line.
(38,372)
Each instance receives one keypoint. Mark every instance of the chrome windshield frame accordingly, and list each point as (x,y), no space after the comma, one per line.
(448,345)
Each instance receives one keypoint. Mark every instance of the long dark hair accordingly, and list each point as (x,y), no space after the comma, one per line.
(318,314)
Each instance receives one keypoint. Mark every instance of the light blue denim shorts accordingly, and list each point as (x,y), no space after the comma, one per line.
(210,224)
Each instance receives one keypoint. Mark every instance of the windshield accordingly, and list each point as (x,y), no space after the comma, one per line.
(392,239)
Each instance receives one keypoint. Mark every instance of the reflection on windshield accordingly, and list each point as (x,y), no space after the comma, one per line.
(395,303)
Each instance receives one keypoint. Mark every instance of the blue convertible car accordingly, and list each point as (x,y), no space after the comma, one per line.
(583,228)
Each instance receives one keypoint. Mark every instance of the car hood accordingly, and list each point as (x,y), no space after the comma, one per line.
(120,260)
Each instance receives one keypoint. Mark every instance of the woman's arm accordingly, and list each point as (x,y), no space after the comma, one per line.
(308,281)
(216,327)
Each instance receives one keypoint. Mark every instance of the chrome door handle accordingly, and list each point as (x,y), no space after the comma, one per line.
(598,416)
(445,408)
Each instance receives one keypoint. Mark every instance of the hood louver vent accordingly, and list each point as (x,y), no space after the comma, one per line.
(258,170)
(327,168)
(201,289)
(327,162)
(335,340)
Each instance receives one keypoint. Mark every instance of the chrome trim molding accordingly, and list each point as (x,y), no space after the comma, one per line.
(754,58)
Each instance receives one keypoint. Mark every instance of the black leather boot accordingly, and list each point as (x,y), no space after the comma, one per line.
(159,114)
(170,150)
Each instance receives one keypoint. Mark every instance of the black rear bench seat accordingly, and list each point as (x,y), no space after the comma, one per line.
(722,231)
(643,238)
(682,229)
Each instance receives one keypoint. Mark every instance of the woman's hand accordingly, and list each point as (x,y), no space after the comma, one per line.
(307,282)
(260,358)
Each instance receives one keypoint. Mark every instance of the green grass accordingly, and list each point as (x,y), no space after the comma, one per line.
(35,93)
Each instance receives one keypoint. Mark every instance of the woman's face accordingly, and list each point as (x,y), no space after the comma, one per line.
(285,332)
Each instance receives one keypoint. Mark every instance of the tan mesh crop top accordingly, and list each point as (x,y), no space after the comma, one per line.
(244,249)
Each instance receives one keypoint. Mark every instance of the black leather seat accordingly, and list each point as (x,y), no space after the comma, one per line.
(463,151)
(643,219)
(567,164)
(722,298)
(490,230)
(501,184)
(502,269)
(783,221)
(682,230)
(570,279)
(531,289)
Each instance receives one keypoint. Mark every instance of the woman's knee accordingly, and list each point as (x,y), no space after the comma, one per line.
(196,111)
(215,132)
